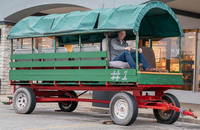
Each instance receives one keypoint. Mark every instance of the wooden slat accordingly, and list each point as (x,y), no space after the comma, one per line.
(64,83)
(161,79)
(162,73)
(59,55)
(115,75)
(58,63)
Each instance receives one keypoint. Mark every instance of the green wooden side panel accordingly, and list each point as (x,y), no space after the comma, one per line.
(160,79)
(97,54)
(58,63)
(114,75)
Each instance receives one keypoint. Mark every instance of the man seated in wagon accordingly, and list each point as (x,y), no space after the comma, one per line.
(121,51)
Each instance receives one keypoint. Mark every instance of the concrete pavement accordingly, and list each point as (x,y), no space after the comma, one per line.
(46,118)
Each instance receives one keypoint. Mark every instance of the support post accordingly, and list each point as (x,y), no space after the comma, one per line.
(79,42)
(11,52)
(137,58)
(107,51)
(55,44)
(11,46)
(32,44)
(21,43)
(150,42)
(180,55)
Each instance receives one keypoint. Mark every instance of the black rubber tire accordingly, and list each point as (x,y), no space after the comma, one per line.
(72,105)
(132,108)
(173,115)
(30,102)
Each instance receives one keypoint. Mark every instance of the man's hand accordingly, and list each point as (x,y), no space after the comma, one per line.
(128,48)
(140,50)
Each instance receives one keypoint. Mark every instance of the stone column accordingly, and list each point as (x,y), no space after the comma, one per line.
(5,49)
(196,74)
(198,63)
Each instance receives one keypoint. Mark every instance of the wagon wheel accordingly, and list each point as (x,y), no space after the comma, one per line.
(123,108)
(170,116)
(24,100)
(68,106)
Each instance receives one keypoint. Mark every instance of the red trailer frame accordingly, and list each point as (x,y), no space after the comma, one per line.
(52,93)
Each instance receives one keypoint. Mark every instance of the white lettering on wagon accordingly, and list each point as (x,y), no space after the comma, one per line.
(125,74)
(115,75)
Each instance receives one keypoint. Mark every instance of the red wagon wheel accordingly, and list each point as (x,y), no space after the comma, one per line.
(123,108)
(24,100)
(170,116)
(68,106)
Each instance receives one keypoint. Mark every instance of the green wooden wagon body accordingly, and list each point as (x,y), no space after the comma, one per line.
(102,75)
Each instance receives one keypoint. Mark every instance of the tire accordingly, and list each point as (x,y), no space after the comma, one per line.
(128,106)
(24,100)
(170,116)
(68,106)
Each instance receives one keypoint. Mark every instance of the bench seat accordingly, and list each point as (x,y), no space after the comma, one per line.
(119,64)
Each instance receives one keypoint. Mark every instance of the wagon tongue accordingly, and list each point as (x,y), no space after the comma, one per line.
(183,111)
(189,112)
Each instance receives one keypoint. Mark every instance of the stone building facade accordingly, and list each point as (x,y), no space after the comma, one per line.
(4,59)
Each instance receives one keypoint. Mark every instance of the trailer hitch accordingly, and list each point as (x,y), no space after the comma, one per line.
(183,111)
(189,112)
(164,106)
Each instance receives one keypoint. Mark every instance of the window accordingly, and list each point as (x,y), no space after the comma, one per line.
(26,43)
(22,46)
(188,51)
(166,53)
(44,44)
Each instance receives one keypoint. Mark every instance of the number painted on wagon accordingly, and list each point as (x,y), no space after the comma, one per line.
(117,76)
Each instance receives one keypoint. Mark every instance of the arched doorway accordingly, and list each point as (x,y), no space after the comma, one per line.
(43,10)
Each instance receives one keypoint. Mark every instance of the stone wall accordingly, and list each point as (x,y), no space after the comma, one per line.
(5,49)
(198,64)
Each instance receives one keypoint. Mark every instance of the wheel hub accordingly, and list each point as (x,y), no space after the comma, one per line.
(121,109)
(67,105)
(165,114)
(21,101)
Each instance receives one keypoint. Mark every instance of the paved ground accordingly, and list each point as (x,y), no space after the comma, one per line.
(45,118)
(192,97)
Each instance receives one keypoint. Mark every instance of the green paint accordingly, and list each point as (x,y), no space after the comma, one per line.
(105,75)
(162,79)
(147,19)
(74,63)
(112,75)
(59,55)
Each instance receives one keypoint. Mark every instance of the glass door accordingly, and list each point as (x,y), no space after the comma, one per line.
(198,63)
(188,57)
(166,52)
